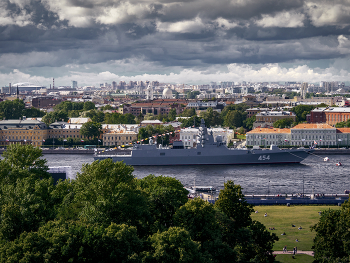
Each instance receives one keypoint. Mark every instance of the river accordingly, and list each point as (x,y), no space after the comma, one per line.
(313,174)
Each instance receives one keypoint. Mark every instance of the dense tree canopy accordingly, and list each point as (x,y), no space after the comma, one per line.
(331,243)
(164,131)
(283,123)
(91,129)
(107,215)
(301,111)
(16,109)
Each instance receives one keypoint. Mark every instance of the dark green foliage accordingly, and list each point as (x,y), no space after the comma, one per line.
(165,196)
(212,118)
(343,124)
(188,112)
(190,122)
(96,116)
(283,123)
(232,202)
(16,109)
(21,161)
(91,129)
(301,111)
(74,242)
(117,118)
(332,241)
(248,123)
(53,116)
(149,131)
(192,94)
(174,245)
(106,215)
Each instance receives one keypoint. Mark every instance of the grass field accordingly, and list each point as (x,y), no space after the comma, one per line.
(282,218)
(297,258)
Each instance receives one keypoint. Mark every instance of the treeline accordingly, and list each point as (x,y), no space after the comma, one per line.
(232,116)
(162,133)
(108,215)
(68,109)
(15,109)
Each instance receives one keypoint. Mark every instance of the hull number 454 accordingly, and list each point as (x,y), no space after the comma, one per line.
(264,157)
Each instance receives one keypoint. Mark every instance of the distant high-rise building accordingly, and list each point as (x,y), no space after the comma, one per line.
(114,85)
(303,89)
(74,84)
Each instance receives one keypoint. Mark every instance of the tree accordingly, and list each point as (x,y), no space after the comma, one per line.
(301,111)
(233,119)
(248,123)
(97,116)
(331,243)
(33,112)
(22,161)
(188,113)
(53,116)
(190,122)
(198,217)
(91,129)
(105,192)
(211,117)
(250,239)
(283,123)
(88,105)
(231,201)
(174,245)
(172,114)
(165,196)
(12,109)
(59,241)
(28,196)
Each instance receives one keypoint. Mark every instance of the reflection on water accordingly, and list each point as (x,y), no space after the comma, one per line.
(313,174)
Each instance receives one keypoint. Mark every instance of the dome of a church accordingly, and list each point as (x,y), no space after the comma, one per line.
(167,93)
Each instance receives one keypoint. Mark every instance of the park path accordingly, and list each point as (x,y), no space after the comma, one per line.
(310,253)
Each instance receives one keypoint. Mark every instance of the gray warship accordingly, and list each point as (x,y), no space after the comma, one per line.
(207,152)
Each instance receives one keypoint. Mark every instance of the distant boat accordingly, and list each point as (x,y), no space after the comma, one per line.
(338,164)
(326,159)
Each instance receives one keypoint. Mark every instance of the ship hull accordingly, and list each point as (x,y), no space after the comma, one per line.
(169,157)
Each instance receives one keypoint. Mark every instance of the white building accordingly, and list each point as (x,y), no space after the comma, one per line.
(189,135)
(303,134)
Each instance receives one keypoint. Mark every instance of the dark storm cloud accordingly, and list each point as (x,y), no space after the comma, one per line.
(187,34)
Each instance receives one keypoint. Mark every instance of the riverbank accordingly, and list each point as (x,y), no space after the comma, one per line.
(326,151)
(63,151)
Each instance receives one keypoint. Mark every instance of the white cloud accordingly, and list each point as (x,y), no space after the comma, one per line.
(225,24)
(344,44)
(233,72)
(328,13)
(283,19)
(190,26)
(21,19)
(122,13)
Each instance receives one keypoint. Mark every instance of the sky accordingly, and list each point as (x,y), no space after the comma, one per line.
(184,41)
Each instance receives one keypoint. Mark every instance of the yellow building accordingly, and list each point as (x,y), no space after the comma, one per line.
(27,131)
(118,138)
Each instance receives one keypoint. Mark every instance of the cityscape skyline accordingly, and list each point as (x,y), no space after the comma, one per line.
(192,42)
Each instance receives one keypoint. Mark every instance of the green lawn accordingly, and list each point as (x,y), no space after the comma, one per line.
(241,136)
(282,218)
(297,258)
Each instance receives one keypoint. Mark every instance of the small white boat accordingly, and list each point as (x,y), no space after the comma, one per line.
(326,159)
(338,164)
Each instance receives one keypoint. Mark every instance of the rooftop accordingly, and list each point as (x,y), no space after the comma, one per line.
(313,126)
(269,130)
